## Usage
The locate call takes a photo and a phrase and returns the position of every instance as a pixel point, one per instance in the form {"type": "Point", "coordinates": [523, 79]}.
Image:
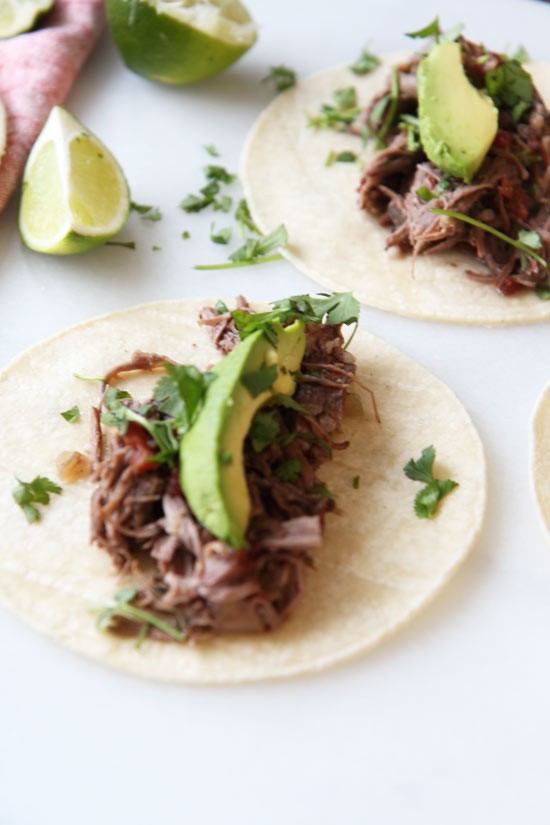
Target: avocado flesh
{"type": "Point", "coordinates": [458, 123]}
{"type": "Point", "coordinates": [212, 474]}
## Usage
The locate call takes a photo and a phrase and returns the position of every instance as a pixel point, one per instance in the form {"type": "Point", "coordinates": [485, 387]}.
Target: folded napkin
{"type": "Point", "coordinates": [37, 70]}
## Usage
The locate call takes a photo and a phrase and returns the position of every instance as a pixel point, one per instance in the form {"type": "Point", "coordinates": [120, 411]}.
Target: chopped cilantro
{"type": "Point", "coordinates": [365, 63]}
{"type": "Point", "coordinates": [341, 114]}
{"type": "Point", "coordinates": [290, 470]}
{"type": "Point", "coordinates": [72, 415]}
{"type": "Point", "coordinates": [521, 55]}
{"type": "Point", "coordinates": [212, 150]}
{"type": "Point", "coordinates": [281, 78]}
{"type": "Point", "coordinates": [29, 493]}
{"type": "Point", "coordinates": [481, 225]}
{"type": "Point", "coordinates": [219, 174]}
{"type": "Point", "coordinates": [425, 194]}
{"type": "Point", "coordinates": [323, 491]}
{"type": "Point", "coordinates": [226, 458]}
{"type": "Point", "coordinates": [185, 235]}
{"type": "Point", "coordinates": [530, 238]}
{"type": "Point", "coordinates": [428, 498]}
{"type": "Point", "coordinates": [432, 29]}
{"type": "Point", "coordinates": [195, 203]}
{"type": "Point", "coordinates": [179, 395]}
{"type": "Point", "coordinates": [337, 308]}
{"type": "Point", "coordinates": [510, 87]}
{"type": "Point", "coordinates": [125, 610]}
{"type": "Point", "coordinates": [411, 125]}
{"type": "Point", "coordinates": [220, 307]}
{"type": "Point", "coordinates": [148, 213]}
{"type": "Point", "coordinates": [222, 236]}
{"type": "Point", "coordinates": [155, 248]}
{"type": "Point", "coordinates": [340, 157]}
{"type": "Point", "coordinates": [244, 218]}
{"type": "Point", "coordinates": [264, 430]}
{"type": "Point", "coordinates": [223, 204]}
{"type": "Point", "coordinates": [355, 482]}
{"type": "Point", "coordinates": [260, 380]}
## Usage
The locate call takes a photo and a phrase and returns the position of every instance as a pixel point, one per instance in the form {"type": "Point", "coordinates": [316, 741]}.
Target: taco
{"type": "Point", "coordinates": [374, 231]}
{"type": "Point", "coordinates": [378, 562]}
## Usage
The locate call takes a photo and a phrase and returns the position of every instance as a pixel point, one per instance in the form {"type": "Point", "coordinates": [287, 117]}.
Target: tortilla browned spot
{"type": "Point", "coordinates": [379, 563]}
{"type": "Point", "coordinates": [336, 244]}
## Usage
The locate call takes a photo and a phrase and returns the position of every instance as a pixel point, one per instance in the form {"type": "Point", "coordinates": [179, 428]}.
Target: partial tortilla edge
{"type": "Point", "coordinates": [540, 456]}
{"type": "Point", "coordinates": [337, 245]}
{"type": "Point", "coordinates": [379, 564]}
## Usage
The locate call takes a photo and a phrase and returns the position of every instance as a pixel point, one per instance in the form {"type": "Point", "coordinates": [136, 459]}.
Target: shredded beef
{"type": "Point", "coordinates": [186, 576]}
{"type": "Point", "coordinates": [510, 192]}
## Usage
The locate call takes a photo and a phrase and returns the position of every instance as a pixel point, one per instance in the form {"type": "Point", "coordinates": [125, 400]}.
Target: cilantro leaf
{"type": "Point", "coordinates": [258, 247]}
{"type": "Point", "coordinates": [72, 415]}
{"type": "Point", "coordinates": [148, 213]}
{"type": "Point", "coordinates": [339, 115]}
{"type": "Point", "coordinates": [180, 393]}
{"type": "Point", "coordinates": [510, 87]}
{"type": "Point", "coordinates": [222, 236]}
{"type": "Point", "coordinates": [427, 499]}
{"type": "Point", "coordinates": [29, 493]}
{"type": "Point", "coordinates": [425, 194]}
{"type": "Point", "coordinates": [365, 63]}
{"type": "Point", "coordinates": [432, 29]}
{"type": "Point", "coordinates": [264, 430]}
{"type": "Point", "coordinates": [281, 77]}
{"type": "Point", "coordinates": [337, 308]}
{"type": "Point", "coordinates": [125, 610]}
{"type": "Point", "coordinates": [340, 157]}
{"type": "Point", "coordinates": [244, 218]}
{"type": "Point", "coordinates": [260, 380]}
{"type": "Point", "coordinates": [212, 150]}
{"type": "Point", "coordinates": [290, 470]}
{"type": "Point", "coordinates": [219, 174]}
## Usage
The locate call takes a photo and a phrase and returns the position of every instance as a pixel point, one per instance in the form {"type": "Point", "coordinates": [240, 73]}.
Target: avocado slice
{"type": "Point", "coordinates": [458, 122]}
{"type": "Point", "coordinates": [211, 452]}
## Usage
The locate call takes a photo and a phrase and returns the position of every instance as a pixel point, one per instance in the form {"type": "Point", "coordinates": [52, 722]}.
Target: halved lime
{"type": "Point", "coordinates": [180, 41]}
{"type": "Point", "coordinates": [17, 16]}
{"type": "Point", "coordinates": [75, 196]}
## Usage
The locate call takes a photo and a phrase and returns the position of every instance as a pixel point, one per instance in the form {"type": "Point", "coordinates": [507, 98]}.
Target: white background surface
{"type": "Point", "coordinates": [448, 721]}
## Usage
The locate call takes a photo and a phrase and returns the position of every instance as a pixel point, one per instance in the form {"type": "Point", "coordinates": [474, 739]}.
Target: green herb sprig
{"type": "Point", "coordinates": [281, 78]}
{"type": "Point", "coordinates": [366, 62]}
{"type": "Point", "coordinates": [519, 244]}
{"type": "Point", "coordinates": [124, 609]}
{"type": "Point", "coordinates": [427, 499]}
{"type": "Point", "coordinates": [28, 494]}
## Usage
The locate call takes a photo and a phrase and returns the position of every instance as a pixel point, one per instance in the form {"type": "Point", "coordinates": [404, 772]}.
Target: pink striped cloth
{"type": "Point", "coordinates": [37, 70]}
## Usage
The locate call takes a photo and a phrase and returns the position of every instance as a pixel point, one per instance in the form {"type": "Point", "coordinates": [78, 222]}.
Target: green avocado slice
{"type": "Point", "coordinates": [212, 473]}
{"type": "Point", "coordinates": [458, 123]}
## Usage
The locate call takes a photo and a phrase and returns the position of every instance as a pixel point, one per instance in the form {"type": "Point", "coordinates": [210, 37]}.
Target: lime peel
{"type": "Point", "coordinates": [180, 41]}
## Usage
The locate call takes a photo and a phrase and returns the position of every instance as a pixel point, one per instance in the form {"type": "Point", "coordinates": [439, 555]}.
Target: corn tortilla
{"type": "Point", "coordinates": [379, 563]}
{"type": "Point", "coordinates": [342, 247]}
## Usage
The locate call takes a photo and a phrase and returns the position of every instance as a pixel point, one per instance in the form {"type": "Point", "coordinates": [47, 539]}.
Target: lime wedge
{"type": "Point", "coordinates": [17, 16]}
{"type": "Point", "coordinates": [180, 41]}
{"type": "Point", "coordinates": [75, 196]}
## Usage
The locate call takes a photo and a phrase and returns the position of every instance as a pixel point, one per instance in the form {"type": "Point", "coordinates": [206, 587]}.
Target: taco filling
{"type": "Point", "coordinates": [167, 506]}
{"type": "Point", "coordinates": [422, 117]}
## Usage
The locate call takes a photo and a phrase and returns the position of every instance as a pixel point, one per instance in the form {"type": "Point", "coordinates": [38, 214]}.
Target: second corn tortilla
{"type": "Point", "coordinates": [342, 247]}
{"type": "Point", "coordinates": [379, 564]}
